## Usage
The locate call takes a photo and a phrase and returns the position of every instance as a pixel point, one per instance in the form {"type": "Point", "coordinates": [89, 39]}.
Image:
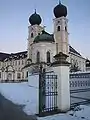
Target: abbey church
{"type": "Point", "coordinates": [42, 47]}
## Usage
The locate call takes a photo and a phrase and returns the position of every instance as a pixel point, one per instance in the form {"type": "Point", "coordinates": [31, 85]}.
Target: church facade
{"type": "Point", "coordinates": [41, 49]}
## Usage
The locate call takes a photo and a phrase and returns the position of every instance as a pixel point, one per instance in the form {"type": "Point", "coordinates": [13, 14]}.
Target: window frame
{"type": "Point", "coordinates": [38, 57]}
{"type": "Point", "coordinates": [48, 57]}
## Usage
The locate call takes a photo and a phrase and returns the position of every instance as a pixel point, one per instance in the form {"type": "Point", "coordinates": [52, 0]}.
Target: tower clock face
{"type": "Point", "coordinates": [58, 22]}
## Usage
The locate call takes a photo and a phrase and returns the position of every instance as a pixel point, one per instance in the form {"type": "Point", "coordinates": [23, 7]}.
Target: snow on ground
{"type": "Point", "coordinates": [23, 94]}
{"type": "Point", "coordinates": [57, 117]}
{"type": "Point", "coordinates": [81, 112]}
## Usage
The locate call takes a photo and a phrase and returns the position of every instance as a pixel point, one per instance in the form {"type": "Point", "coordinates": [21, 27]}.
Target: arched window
{"type": "Point", "coordinates": [48, 57]}
{"type": "Point", "coordinates": [26, 74]}
{"type": "Point", "coordinates": [22, 74]}
{"type": "Point", "coordinates": [58, 28]}
{"type": "Point", "coordinates": [65, 28]}
{"type": "Point", "coordinates": [38, 57]}
{"type": "Point", "coordinates": [22, 62]}
{"type": "Point", "coordinates": [76, 63]}
{"type": "Point", "coordinates": [18, 62]}
{"type": "Point", "coordinates": [18, 76]}
{"type": "Point", "coordinates": [31, 35]}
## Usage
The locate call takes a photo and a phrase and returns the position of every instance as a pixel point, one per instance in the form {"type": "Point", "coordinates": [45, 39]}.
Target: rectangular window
{"type": "Point", "coordinates": [38, 57]}
{"type": "Point", "coordinates": [48, 57]}
{"type": "Point", "coordinates": [22, 62]}
{"type": "Point", "coordinates": [0, 74]}
{"type": "Point", "coordinates": [18, 62]}
{"type": "Point", "coordinates": [65, 28]}
{"type": "Point", "coordinates": [18, 75]}
{"type": "Point", "coordinates": [58, 28]}
{"type": "Point", "coordinates": [22, 74]}
{"type": "Point", "coordinates": [31, 35]}
{"type": "Point", "coordinates": [12, 62]}
{"type": "Point", "coordinates": [26, 74]}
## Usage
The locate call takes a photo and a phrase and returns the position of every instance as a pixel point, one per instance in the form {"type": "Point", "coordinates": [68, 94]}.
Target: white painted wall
{"type": "Point", "coordinates": [63, 99]}
{"type": "Point", "coordinates": [43, 48]}
{"type": "Point", "coordinates": [77, 78]}
{"type": "Point", "coordinates": [61, 37]}
{"type": "Point", "coordinates": [79, 82]}
{"type": "Point", "coordinates": [35, 29]}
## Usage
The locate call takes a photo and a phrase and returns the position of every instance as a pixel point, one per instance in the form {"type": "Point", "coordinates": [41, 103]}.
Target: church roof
{"type": "Point", "coordinates": [74, 51]}
{"type": "Point", "coordinates": [44, 37]}
{"type": "Point", "coordinates": [3, 56]}
{"type": "Point", "coordinates": [15, 56]}
{"type": "Point", "coordinates": [21, 55]}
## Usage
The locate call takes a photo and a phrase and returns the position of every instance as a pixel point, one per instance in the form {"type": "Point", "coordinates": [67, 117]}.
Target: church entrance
{"type": "Point", "coordinates": [9, 76]}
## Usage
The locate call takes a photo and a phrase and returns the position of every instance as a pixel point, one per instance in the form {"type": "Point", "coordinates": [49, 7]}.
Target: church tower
{"type": "Point", "coordinates": [60, 29]}
{"type": "Point", "coordinates": [34, 29]}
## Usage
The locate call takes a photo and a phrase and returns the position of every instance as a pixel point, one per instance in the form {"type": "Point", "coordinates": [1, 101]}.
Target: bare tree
{"type": "Point", "coordinates": [74, 67]}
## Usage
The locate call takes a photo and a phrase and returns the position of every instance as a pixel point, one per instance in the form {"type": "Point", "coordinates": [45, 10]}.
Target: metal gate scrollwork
{"type": "Point", "coordinates": [47, 93]}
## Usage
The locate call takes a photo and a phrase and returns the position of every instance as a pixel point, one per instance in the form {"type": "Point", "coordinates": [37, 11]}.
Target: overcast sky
{"type": "Point", "coordinates": [14, 16]}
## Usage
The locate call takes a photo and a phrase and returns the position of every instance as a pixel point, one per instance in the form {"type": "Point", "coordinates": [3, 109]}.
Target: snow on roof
{"type": "Point", "coordinates": [23, 54]}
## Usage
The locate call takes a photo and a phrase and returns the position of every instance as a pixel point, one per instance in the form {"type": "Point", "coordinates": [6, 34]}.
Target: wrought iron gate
{"type": "Point", "coordinates": [47, 93]}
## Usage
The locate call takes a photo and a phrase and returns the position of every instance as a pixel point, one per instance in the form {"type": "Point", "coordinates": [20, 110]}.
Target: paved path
{"type": "Point", "coordinates": [10, 111]}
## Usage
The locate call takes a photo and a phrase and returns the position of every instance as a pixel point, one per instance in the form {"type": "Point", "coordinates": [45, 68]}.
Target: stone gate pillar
{"type": "Point", "coordinates": [61, 68]}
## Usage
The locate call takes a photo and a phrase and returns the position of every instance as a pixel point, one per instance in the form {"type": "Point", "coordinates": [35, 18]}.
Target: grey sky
{"type": "Point", "coordinates": [14, 16]}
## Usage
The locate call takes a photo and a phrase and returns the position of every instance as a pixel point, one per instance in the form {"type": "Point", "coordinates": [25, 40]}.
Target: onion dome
{"type": "Point", "coordinates": [44, 37]}
{"type": "Point", "coordinates": [35, 19]}
{"type": "Point", "coordinates": [60, 10]}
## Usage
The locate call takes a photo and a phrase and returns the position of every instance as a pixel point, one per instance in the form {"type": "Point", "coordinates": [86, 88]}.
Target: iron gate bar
{"type": "Point", "coordinates": [47, 92]}
{"type": "Point", "coordinates": [80, 98]}
{"type": "Point", "coordinates": [80, 90]}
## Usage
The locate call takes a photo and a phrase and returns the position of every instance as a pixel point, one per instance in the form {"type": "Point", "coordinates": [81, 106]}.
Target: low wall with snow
{"type": "Point", "coordinates": [21, 94]}
{"type": "Point", "coordinates": [79, 81]}
{"type": "Point", "coordinates": [80, 87]}
{"type": "Point", "coordinates": [33, 81]}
